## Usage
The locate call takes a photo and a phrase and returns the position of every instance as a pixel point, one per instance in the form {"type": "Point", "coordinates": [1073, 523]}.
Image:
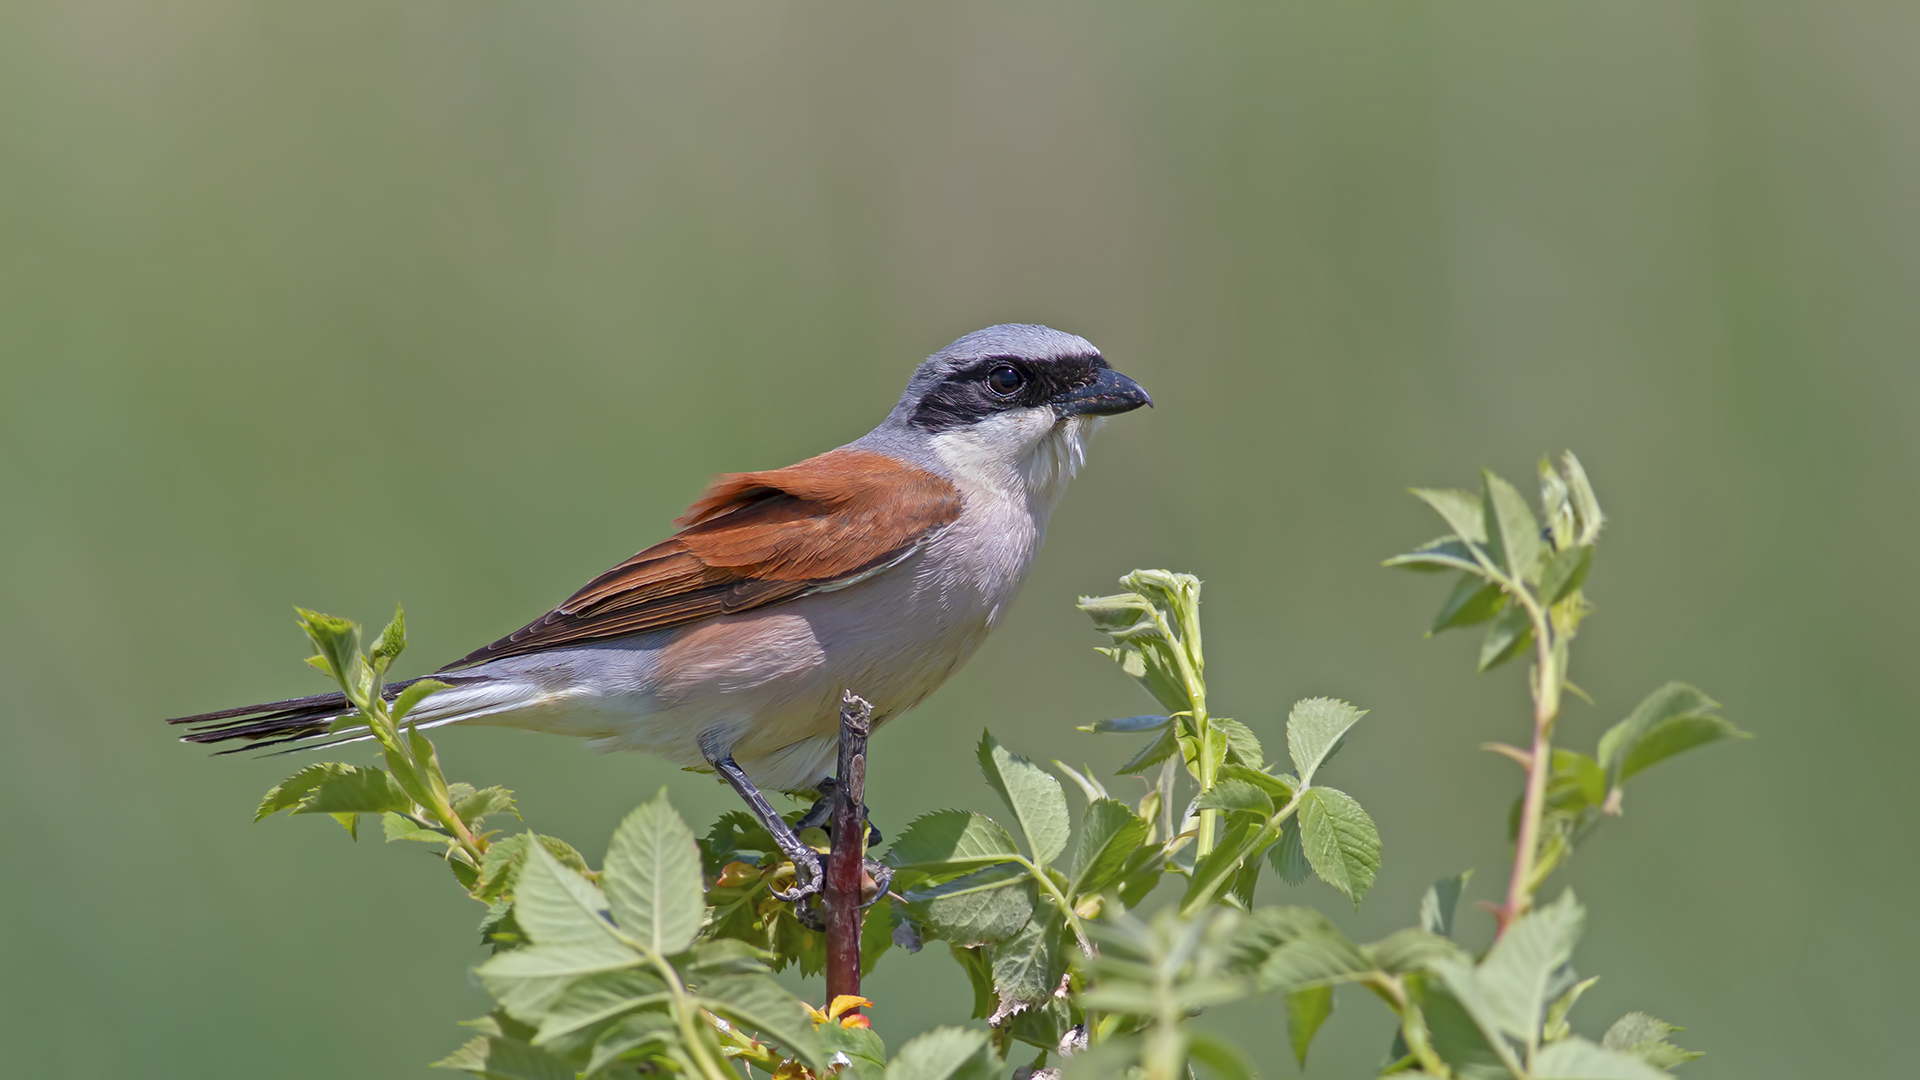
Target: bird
{"type": "Point", "coordinates": [877, 569]}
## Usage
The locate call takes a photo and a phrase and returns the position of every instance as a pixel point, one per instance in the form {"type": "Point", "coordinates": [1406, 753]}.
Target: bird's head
{"type": "Point", "coordinates": [1012, 404]}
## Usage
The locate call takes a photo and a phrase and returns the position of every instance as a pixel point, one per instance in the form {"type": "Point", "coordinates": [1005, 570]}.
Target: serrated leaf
{"type": "Point", "coordinates": [1241, 741]}
{"type": "Point", "coordinates": [1315, 728]}
{"type": "Point", "coordinates": [1565, 573]}
{"type": "Point", "coordinates": [392, 642]}
{"type": "Point", "coordinates": [289, 792]}
{"type": "Point", "coordinates": [1028, 966]}
{"type": "Point", "coordinates": [1236, 795]}
{"type": "Point", "coordinates": [1578, 1059]}
{"type": "Point", "coordinates": [1289, 859]}
{"type": "Point", "coordinates": [1340, 841]}
{"type": "Point", "coordinates": [758, 1003]}
{"type": "Point", "coordinates": [945, 1053]}
{"type": "Point", "coordinates": [981, 908]}
{"type": "Point", "coordinates": [1513, 533]}
{"type": "Point", "coordinates": [1526, 969]}
{"type": "Point", "coordinates": [951, 840]}
{"type": "Point", "coordinates": [1409, 950]}
{"type": "Point", "coordinates": [1442, 899]}
{"type": "Point", "coordinates": [1280, 789]}
{"type": "Point", "coordinates": [1645, 1037]}
{"type": "Point", "coordinates": [1459, 508]}
{"type": "Point", "coordinates": [1155, 752]}
{"type": "Point", "coordinates": [484, 803]}
{"type": "Point", "coordinates": [337, 641]}
{"type": "Point", "coordinates": [395, 827]}
{"type": "Point", "coordinates": [864, 1051]}
{"type": "Point", "coordinates": [1324, 957]}
{"type": "Point", "coordinates": [1458, 1038]}
{"type": "Point", "coordinates": [595, 999]}
{"type": "Point", "coordinates": [632, 1033]}
{"type": "Point", "coordinates": [1031, 792]}
{"type": "Point", "coordinates": [556, 906]}
{"type": "Point", "coordinates": [1508, 637]}
{"type": "Point", "coordinates": [1109, 835]}
{"type": "Point", "coordinates": [1142, 873]}
{"type": "Point", "coordinates": [1218, 869]}
{"type": "Point", "coordinates": [527, 981]}
{"type": "Point", "coordinates": [1306, 1011]}
{"type": "Point", "coordinates": [652, 878]}
{"type": "Point", "coordinates": [1471, 603]}
{"type": "Point", "coordinates": [355, 791]}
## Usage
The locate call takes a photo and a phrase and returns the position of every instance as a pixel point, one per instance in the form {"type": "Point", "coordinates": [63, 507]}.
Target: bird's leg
{"type": "Point", "coordinates": [820, 816]}
{"type": "Point", "coordinates": [807, 875]}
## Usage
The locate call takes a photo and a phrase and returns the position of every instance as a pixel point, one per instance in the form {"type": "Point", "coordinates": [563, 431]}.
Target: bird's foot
{"type": "Point", "coordinates": [820, 814]}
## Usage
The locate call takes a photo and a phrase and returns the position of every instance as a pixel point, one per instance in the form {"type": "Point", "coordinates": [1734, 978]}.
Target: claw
{"type": "Point", "coordinates": [804, 884]}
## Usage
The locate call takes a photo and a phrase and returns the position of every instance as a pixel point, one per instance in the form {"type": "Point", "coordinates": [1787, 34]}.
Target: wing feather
{"type": "Point", "coordinates": [750, 540]}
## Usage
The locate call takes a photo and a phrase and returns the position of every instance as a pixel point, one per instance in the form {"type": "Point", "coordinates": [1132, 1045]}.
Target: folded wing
{"type": "Point", "coordinates": [751, 540]}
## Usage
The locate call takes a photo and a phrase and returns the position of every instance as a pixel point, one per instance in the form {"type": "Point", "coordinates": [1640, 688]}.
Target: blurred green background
{"type": "Point", "coordinates": [460, 302]}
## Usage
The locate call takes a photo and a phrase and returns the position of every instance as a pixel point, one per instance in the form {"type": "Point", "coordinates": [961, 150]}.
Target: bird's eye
{"type": "Point", "coordinates": [1005, 380]}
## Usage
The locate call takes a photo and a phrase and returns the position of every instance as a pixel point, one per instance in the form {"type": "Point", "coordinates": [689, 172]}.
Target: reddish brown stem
{"type": "Point", "coordinates": [846, 862]}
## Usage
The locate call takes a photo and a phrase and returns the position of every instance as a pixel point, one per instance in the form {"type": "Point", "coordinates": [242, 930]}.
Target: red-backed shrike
{"type": "Point", "coordinates": [877, 568]}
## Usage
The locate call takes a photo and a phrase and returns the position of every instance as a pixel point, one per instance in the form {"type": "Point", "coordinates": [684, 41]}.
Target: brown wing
{"type": "Point", "coordinates": [753, 539]}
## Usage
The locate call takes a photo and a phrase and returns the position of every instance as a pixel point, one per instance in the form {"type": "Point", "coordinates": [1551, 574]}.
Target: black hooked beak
{"type": "Point", "coordinates": [1107, 395]}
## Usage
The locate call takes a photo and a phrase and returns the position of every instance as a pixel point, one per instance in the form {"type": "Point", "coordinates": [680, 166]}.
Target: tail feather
{"type": "Point", "coordinates": [274, 722]}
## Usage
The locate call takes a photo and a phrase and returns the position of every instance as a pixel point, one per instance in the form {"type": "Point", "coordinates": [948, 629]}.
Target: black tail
{"type": "Point", "coordinates": [275, 722]}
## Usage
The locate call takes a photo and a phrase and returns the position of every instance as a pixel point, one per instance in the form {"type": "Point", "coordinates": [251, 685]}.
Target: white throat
{"type": "Point", "coordinates": [1028, 454]}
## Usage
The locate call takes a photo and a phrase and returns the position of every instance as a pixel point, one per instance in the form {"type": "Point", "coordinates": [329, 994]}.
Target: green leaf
{"type": "Point", "coordinates": [1586, 508]}
{"type": "Point", "coordinates": [1669, 702]}
{"type": "Point", "coordinates": [1109, 834]}
{"type": "Point", "coordinates": [393, 641]}
{"type": "Point", "coordinates": [1218, 869]}
{"type": "Point", "coordinates": [595, 999]}
{"type": "Point", "coordinates": [1142, 873]}
{"type": "Point", "coordinates": [1471, 603]}
{"type": "Point", "coordinates": [1340, 841]}
{"type": "Point", "coordinates": [336, 640]}
{"type": "Point", "coordinates": [506, 1059]}
{"type": "Point", "coordinates": [1032, 793]}
{"type": "Point", "coordinates": [1434, 556]}
{"type": "Point", "coordinates": [1645, 1037]}
{"type": "Point", "coordinates": [1241, 741]}
{"type": "Point", "coordinates": [1315, 728]}
{"type": "Point", "coordinates": [951, 840]}
{"type": "Point", "coordinates": [1227, 1061]}
{"type": "Point", "coordinates": [356, 791]}
{"type": "Point", "coordinates": [1524, 971]}
{"type": "Point", "coordinates": [1410, 949]}
{"type": "Point", "coordinates": [291, 791]}
{"type": "Point", "coordinates": [632, 1033]}
{"type": "Point", "coordinates": [485, 802]}
{"type": "Point", "coordinates": [1280, 789]}
{"type": "Point", "coordinates": [1321, 957]}
{"type": "Point", "coordinates": [395, 827]}
{"type": "Point", "coordinates": [1235, 795]}
{"type": "Point", "coordinates": [1677, 735]}
{"type": "Point", "coordinates": [1306, 1011]}
{"type": "Point", "coordinates": [945, 1053]}
{"type": "Point", "coordinates": [1442, 899]}
{"type": "Point", "coordinates": [1556, 1027]}
{"type": "Point", "coordinates": [981, 908]}
{"type": "Point", "coordinates": [1155, 752]}
{"type": "Point", "coordinates": [758, 1003]}
{"type": "Point", "coordinates": [1289, 859]}
{"type": "Point", "coordinates": [861, 1046]}
{"type": "Point", "coordinates": [652, 878]}
{"type": "Point", "coordinates": [1508, 637]}
{"type": "Point", "coordinates": [527, 981]}
{"type": "Point", "coordinates": [1027, 967]}
{"type": "Point", "coordinates": [556, 906]}
{"type": "Point", "coordinates": [1461, 1040]}
{"type": "Point", "coordinates": [973, 962]}
{"type": "Point", "coordinates": [1567, 572]}
{"type": "Point", "coordinates": [1461, 509]}
{"type": "Point", "coordinates": [1512, 531]}
{"type": "Point", "coordinates": [1578, 1059]}
{"type": "Point", "coordinates": [412, 696]}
